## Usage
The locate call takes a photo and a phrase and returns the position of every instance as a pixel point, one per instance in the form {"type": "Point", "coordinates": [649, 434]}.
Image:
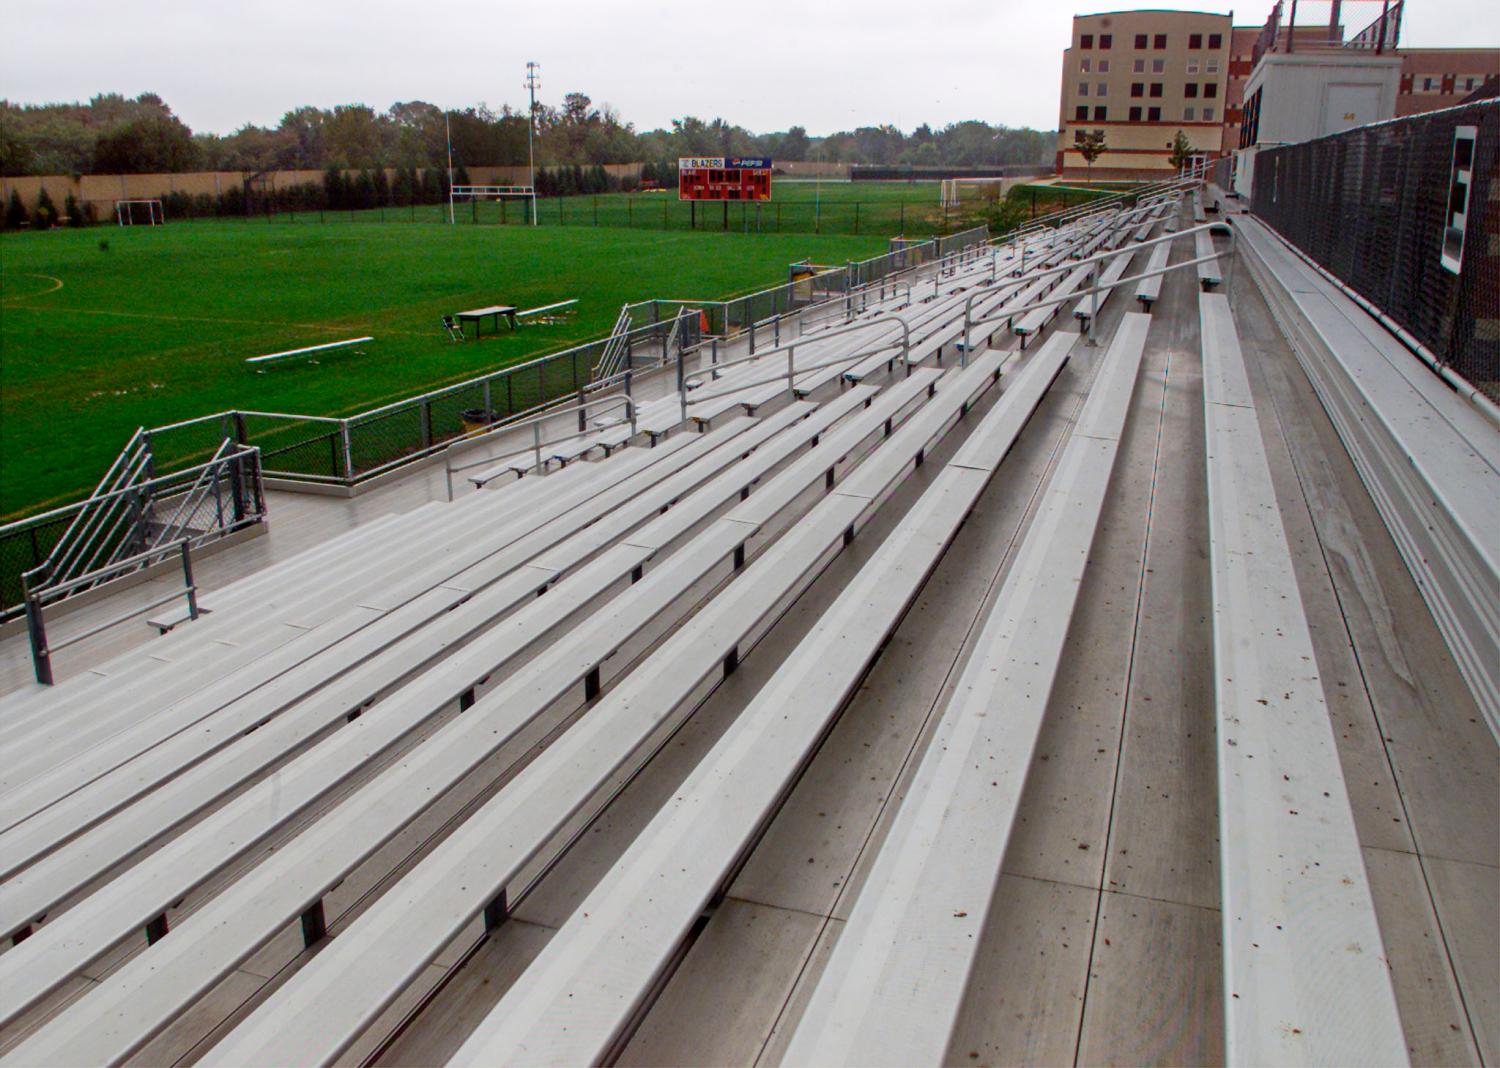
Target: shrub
{"type": "Point", "coordinates": [46, 211]}
{"type": "Point", "coordinates": [74, 211]}
{"type": "Point", "coordinates": [15, 212]}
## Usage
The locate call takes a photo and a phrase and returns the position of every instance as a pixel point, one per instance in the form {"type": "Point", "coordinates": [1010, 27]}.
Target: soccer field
{"type": "Point", "coordinates": [156, 328]}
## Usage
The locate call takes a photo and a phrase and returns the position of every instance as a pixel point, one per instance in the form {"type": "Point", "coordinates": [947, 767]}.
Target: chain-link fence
{"type": "Point", "coordinates": [1379, 208]}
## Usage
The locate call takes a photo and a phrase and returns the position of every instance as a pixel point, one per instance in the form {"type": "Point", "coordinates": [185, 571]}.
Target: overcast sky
{"type": "Point", "coordinates": [827, 66]}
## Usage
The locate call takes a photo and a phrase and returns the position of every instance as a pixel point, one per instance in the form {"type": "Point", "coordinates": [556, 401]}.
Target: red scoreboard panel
{"type": "Point", "coordinates": [720, 178]}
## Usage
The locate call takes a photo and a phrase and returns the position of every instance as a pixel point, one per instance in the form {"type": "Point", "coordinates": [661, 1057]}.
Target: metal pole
{"type": "Point", "coordinates": [536, 443]}
{"type": "Point", "coordinates": [448, 125]}
{"type": "Point", "coordinates": [791, 372]}
{"type": "Point", "coordinates": [41, 657]}
{"type": "Point", "coordinates": [187, 578]}
{"type": "Point", "coordinates": [531, 85]}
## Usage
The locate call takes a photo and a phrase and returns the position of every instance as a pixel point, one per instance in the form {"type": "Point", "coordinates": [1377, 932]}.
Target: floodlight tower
{"type": "Point", "coordinates": [532, 82]}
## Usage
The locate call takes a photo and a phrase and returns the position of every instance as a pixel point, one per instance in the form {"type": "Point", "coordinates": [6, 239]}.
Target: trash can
{"type": "Point", "coordinates": [475, 419]}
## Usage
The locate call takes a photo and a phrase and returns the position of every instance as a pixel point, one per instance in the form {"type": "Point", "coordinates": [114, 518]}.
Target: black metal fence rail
{"type": "Point", "coordinates": [1372, 207]}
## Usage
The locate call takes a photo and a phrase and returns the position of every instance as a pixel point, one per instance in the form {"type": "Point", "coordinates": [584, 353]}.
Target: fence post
{"type": "Point", "coordinates": [348, 441]}
{"type": "Point", "coordinates": [583, 419]}
{"type": "Point", "coordinates": [791, 372]}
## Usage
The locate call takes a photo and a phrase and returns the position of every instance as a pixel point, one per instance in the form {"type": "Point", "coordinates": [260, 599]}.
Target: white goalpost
{"type": "Point", "coordinates": [490, 192]}
{"type": "Point", "coordinates": [125, 212]}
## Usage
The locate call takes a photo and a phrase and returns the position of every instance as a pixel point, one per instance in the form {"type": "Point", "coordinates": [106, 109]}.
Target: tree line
{"type": "Point", "coordinates": [112, 134]}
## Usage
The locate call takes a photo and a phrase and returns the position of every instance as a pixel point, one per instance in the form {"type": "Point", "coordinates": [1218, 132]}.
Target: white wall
{"type": "Point", "coordinates": [1313, 94]}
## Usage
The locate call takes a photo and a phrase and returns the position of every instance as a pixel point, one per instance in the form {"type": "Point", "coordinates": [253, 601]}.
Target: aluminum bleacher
{"type": "Point", "coordinates": [931, 655]}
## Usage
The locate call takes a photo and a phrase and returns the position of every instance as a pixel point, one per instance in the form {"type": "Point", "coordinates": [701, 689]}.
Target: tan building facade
{"type": "Point", "coordinates": [1196, 65]}
{"type": "Point", "coordinates": [1433, 78]}
{"type": "Point", "coordinates": [1140, 77]}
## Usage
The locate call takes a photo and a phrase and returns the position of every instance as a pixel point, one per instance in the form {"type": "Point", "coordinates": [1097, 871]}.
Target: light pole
{"type": "Point", "coordinates": [532, 67]}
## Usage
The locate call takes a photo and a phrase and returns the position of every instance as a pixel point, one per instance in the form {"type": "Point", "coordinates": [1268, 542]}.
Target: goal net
{"type": "Point", "coordinates": [476, 193]}
{"type": "Point", "coordinates": [140, 212]}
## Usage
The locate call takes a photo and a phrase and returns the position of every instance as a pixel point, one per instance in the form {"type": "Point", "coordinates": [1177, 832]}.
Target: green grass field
{"type": "Point", "coordinates": [157, 328]}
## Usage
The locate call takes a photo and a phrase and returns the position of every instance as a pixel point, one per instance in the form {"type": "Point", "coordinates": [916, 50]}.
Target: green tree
{"type": "Point", "coordinates": [46, 211]}
{"type": "Point", "coordinates": [1182, 152]}
{"type": "Point", "coordinates": [1091, 146]}
{"type": "Point", "coordinates": [15, 212]}
{"type": "Point", "coordinates": [74, 211]}
{"type": "Point", "coordinates": [151, 145]}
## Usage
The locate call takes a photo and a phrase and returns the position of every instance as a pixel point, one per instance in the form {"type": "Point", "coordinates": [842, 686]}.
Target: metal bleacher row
{"type": "Point", "coordinates": [353, 765]}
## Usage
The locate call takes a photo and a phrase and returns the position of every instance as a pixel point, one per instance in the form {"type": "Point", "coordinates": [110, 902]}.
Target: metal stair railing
{"type": "Point", "coordinates": [615, 347]}
{"type": "Point", "coordinates": [117, 532]}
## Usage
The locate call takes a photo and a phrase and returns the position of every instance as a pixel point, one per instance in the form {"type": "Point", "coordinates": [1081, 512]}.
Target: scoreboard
{"type": "Point", "coordinates": [723, 178]}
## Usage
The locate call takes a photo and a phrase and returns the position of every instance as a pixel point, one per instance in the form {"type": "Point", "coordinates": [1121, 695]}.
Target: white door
{"type": "Point", "coordinates": [1347, 106]}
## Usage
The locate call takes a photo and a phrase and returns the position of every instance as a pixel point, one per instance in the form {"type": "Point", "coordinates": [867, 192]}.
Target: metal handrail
{"type": "Point", "coordinates": [709, 393]}
{"type": "Point", "coordinates": [109, 510]}
{"type": "Point", "coordinates": [1013, 313]}
{"type": "Point", "coordinates": [42, 650]}
{"type": "Point", "coordinates": [535, 422]}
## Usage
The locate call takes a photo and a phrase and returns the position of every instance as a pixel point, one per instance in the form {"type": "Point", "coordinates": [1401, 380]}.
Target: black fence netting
{"type": "Point", "coordinates": [1376, 207]}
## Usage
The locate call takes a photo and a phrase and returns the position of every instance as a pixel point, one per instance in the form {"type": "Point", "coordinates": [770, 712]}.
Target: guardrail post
{"type": "Point", "coordinates": [36, 630]}
{"type": "Point", "coordinates": [536, 443]}
{"type": "Point", "coordinates": [682, 385]}
{"type": "Point", "coordinates": [349, 447]}
{"type": "Point", "coordinates": [791, 372]}
{"type": "Point", "coordinates": [187, 578]}
{"type": "Point", "coordinates": [583, 419]}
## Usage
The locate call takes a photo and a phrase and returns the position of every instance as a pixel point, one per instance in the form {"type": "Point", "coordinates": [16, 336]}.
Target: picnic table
{"type": "Point", "coordinates": [493, 313]}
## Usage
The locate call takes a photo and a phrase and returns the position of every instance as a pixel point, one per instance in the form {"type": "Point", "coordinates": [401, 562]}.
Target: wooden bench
{"type": "Point", "coordinates": [626, 943]}
{"type": "Point", "coordinates": [1296, 898]}
{"type": "Point", "coordinates": [893, 987]}
{"type": "Point", "coordinates": [456, 883]}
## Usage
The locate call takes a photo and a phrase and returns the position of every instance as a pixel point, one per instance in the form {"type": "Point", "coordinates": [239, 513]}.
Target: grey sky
{"type": "Point", "coordinates": [828, 66]}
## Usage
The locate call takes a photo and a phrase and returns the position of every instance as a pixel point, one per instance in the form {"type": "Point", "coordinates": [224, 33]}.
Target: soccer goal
{"type": "Point", "coordinates": [140, 212]}
{"type": "Point", "coordinates": [474, 193]}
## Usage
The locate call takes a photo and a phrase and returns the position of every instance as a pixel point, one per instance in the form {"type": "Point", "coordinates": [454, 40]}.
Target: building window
{"type": "Point", "coordinates": [1101, 114]}
{"type": "Point", "coordinates": [1081, 113]}
{"type": "Point", "coordinates": [1215, 40]}
{"type": "Point", "coordinates": [1187, 114]}
{"type": "Point", "coordinates": [1104, 66]}
{"type": "Point", "coordinates": [1468, 84]}
{"type": "Point", "coordinates": [1140, 40]}
{"type": "Point", "coordinates": [1083, 65]}
{"type": "Point", "coordinates": [1155, 90]}
{"type": "Point", "coordinates": [1426, 85]}
{"type": "Point", "coordinates": [1106, 40]}
{"type": "Point", "coordinates": [1078, 136]}
{"type": "Point", "coordinates": [1139, 66]}
{"type": "Point", "coordinates": [1208, 114]}
{"type": "Point", "coordinates": [1135, 114]}
{"type": "Point", "coordinates": [1190, 90]}
{"type": "Point", "coordinates": [1158, 66]}
{"type": "Point", "coordinates": [1083, 88]}
{"type": "Point", "coordinates": [1102, 89]}
{"type": "Point", "coordinates": [1086, 41]}
{"type": "Point", "coordinates": [1211, 67]}
{"type": "Point", "coordinates": [1153, 115]}
{"type": "Point", "coordinates": [1137, 89]}
{"type": "Point", "coordinates": [1192, 66]}
{"type": "Point", "coordinates": [1159, 42]}
{"type": "Point", "coordinates": [1195, 41]}
{"type": "Point", "coordinates": [1210, 89]}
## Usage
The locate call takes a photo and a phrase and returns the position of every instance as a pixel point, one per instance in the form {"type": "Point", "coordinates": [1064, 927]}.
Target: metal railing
{"type": "Point", "coordinates": [133, 526]}
{"type": "Point", "coordinates": [625, 401]}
